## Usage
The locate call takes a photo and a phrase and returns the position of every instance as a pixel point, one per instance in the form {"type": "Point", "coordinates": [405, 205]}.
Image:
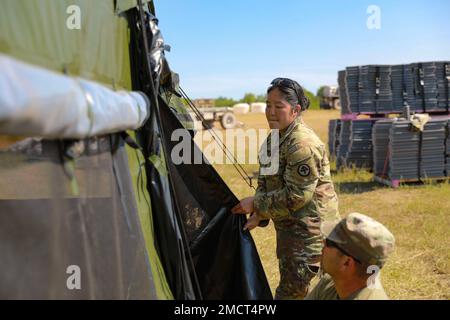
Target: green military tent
{"type": "Point", "coordinates": [91, 207]}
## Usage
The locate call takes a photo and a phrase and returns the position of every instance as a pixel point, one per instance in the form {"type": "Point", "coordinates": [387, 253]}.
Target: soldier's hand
{"type": "Point", "coordinates": [244, 207]}
{"type": "Point", "coordinates": [252, 222]}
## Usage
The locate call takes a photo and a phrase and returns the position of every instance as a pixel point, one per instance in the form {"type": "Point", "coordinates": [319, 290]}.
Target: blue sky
{"type": "Point", "coordinates": [230, 47]}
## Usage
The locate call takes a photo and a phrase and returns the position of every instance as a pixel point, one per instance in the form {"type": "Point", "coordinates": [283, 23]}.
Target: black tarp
{"type": "Point", "coordinates": [204, 252]}
{"type": "Point", "coordinates": [225, 259]}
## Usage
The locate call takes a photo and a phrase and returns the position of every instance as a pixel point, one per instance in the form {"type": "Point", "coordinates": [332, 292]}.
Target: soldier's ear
{"type": "Point", "coordinates": [348, 262]}
{"type": "Point", "coordinates": [297, 109]}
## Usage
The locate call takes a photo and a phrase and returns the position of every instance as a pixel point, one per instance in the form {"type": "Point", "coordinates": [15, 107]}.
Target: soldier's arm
{"type": "Point", "coordinates": [299, 183]}
{"type": "Point", "coordinates": [260, 190]}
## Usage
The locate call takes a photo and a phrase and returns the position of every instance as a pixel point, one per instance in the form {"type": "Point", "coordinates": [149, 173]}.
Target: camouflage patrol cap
{"type": "Point", "coordinates": [362, 237]}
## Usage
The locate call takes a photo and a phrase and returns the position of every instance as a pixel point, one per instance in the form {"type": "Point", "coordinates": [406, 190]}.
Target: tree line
{"type": "Point", "coordinates": [251, 98]}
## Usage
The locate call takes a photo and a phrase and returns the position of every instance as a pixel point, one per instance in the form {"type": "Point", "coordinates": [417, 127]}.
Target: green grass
{"type": "Point", "coordinates": [418, 216]}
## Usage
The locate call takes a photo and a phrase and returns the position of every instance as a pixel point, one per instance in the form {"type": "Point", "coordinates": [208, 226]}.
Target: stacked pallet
{"type": "Point", "coordinates": [352, 89]}
{"type": "Point", "coordinates": [433, 149]}
{"type": "Point", "coordinates": [413, 87]}
{"type": "Point", "coordinates": [343, 98]}
{"type": "Point", "coordinates": [384, 100]}
{"type": "Point", "coordinates": [398, 88]}
{"type": "Point", "coordinates": [359, 153]}
{"type": "Point", "coordinates": [436, 76]}
{"type": "Point", "coordinates": [344, 142]}
{"type": "Point", "coordinates": [337, 135]}
{"type": "Point", "coordinates": [447, 150]}
{"type": "Point", "coordinates": [333, 137]}
{"type": "Point", "coordinates": [380, 141]}
{"type": "Point", "coordinates": [367, 88]}
{"type": "Point", "coordinates": [383, 89]}
{"type": "Point", "coordinates": [402, 152]}
{"type": "Point", "coordinates": [353, 145]}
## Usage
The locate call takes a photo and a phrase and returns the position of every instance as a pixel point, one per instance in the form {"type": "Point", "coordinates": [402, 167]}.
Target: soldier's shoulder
{"type": "Point", "coordinates": [377, 293]}
{"type": "Point", "coordinates": [304, 137]}
{"type": "Point", "coordinates": [305, 134]}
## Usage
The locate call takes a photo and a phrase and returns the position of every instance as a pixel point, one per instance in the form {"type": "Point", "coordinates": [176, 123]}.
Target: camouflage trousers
{"type": "Point", "coordinates": [299, 249]}
{"type": "Point", "coordinates": [295, 279]}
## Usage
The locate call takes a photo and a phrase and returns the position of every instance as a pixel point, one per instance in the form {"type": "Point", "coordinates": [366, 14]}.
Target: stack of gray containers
{"type": "Point", "coordinates": [410, 154]}
{"type": "Point", "coordinates": [343, 98]}
{"type": "Point", "coordinates": [367, 88]}
{"type": "Point", "coordinates": [354, 143]}
{"type": "Point", "coordinates": [334, 128]}
{"type": "Point", "coordinates": [380, 141]}
{"type": "Point", "coordinates": [398, 88]}
{"type": "Point", "coordinates": [413, 87]}
{"type": "Point", "coordinates": [352, 83]}
{"type": "Point", "coordinates": [433, 149]}
{"type": "Point", "coordinates": [436, 85]}
{"type": "Point", "coordinates": [382, 89]}
{"type": "Point", "coordinates": [403, 151]}
{"type": "Point", "coordinates": [375, 93]}
{"type": "Point", "coordinates": [344, 142]}
{"type": "Point", "coordinates": [447, 147]}
{"type": "Point", "coordinates": [359, 153]}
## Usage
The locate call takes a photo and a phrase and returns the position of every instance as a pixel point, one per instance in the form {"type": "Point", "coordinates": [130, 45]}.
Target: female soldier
{"type": "Point", "coordinates": [299, 196]}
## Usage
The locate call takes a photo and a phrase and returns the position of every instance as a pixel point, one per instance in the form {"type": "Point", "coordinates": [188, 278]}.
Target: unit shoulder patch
{"type": "Point", "coordinates": [304, 170]}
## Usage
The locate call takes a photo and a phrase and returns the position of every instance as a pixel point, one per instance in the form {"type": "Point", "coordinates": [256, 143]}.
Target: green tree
{"type": "Point", "coordinates": [249, 98]}
{"type": "Point", "coordinates": [224, 102]}
{"type": "Point", "coordinates": [314, 100]}
{"type": "Point", "coordinates": [320, 91]}
{"type": "Point", "coordinates": [261, 98]}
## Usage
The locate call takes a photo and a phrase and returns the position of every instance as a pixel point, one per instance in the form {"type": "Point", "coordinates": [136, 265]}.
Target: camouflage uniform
{"type": "Point", "coordinates": [297, 198]}
{"type": "Point", "coordinates": [325, 290]}
{"type": "Point", "coordinates": [366, 240]}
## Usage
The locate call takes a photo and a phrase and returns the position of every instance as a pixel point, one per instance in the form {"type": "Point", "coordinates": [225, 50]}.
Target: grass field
{"type": "Point", "coordinates": [418, 216]}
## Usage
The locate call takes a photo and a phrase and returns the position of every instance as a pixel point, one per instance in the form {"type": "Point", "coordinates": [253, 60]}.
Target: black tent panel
{"type": "Point", "coordinates": [225, 259]}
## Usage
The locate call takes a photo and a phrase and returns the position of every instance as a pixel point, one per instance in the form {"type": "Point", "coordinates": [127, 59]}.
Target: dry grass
{"type": "Point", "coordinates": [419, 217]}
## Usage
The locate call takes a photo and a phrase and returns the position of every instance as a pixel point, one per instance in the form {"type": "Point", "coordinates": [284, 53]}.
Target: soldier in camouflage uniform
{"type": "Point", "coordinates": [299, 197]}
{"type": "Point", "coordinates": [356, 249]}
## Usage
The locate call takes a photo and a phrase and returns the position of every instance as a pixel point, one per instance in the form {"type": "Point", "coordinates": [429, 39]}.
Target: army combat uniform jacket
{"type": "Point", "coordinates": [297, 198]}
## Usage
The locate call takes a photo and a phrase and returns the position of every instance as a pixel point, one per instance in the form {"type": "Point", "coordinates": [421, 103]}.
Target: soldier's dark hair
{"type": "Point", "coordinates": [292, 92]}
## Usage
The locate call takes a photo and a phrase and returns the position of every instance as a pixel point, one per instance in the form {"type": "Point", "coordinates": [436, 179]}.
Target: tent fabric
{"type": "Point", "coordinates": [203, 250]}
{"type": "Point", "coordinates": [168, 231]}
{"type": "Point", "coordinates": [48, 225]}
{"type": "Point", "coordinates": [136, 227]}
{"type": "Point", "coordinates": [37, 32]}
{"type": "Point", "coordinates": [136, 164]}
{"type": "Point", "coordinates": [225, 259]}
{"type": "Point", "coordinates": [124, 5]}
{"type": "Point", "coordinates": [38, 102]}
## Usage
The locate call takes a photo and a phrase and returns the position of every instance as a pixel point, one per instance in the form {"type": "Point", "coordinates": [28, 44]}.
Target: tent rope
{"type": "Point", "coordinates": [239, 168]}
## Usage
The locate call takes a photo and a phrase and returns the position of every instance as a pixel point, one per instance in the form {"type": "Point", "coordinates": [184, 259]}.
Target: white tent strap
{"type": "Point", "coordinates": [38, 102]}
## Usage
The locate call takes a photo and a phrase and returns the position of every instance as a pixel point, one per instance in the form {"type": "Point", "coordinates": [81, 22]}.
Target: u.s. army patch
{"type": "Point", "coordinates": [304, 170]}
